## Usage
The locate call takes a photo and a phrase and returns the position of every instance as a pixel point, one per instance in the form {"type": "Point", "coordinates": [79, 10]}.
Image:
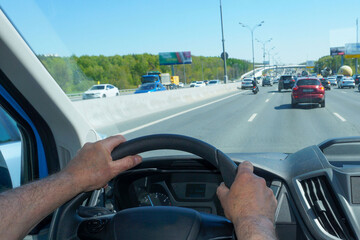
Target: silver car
{"type": "Point", "coordinates": [332, 81]}
{"type": "Point", "coordinates": [346, 82]}
{"type": "Point", "coordinates": [247, 83]}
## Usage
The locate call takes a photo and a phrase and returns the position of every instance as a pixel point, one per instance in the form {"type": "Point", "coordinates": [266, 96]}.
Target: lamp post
{"type": "Point", "coordinates": [252, 40]}
{"type": "Point", "coordinates": [269, 53]}
{"type": "Point", "coordinates": [223, 45]}
{"type": "Point", "coordinates": [357, 42]}
{"type": "Point", "coordinates": [264, 49]}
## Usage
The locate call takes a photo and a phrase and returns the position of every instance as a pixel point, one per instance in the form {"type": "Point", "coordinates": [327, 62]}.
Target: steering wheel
{"type": "Point", "coordinates": [150, 222]}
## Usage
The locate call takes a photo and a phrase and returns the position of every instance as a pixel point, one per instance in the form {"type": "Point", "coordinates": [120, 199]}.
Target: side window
{"type": "Point", "coordinates": [10, 151]}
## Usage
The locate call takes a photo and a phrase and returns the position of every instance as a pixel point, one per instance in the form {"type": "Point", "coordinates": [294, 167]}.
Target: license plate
{"type": "Point", "coordinates": [308, 90]}
{"type": "Point", "coordinates": [286, 81]}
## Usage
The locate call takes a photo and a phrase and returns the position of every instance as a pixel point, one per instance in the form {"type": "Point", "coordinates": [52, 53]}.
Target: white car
{"type": "Point", "coordinates": [214, 82]}
{"type": "Point", "coordinates": [247, 83]}
{"type": "Point", "coordinates": [346, 82]}
{"type": "Point", "coordinates": [197, 84]}
{"type": "Point", "coordinates": [332, 81]}
{"type": "Point", "coordinates": [181, 84]}
{"type": "Point", "coordinates": [101, 91]}
{"type": "Point", "coordinates": [200, 84]}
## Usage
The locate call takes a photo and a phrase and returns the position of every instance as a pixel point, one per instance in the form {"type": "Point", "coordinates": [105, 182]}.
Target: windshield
{"type": "Point", "coordinates": [97, 87]}
{"type": "Point", "coordinates": [149, 79]}
{"type": "Point", "coordinates": [86, 43]}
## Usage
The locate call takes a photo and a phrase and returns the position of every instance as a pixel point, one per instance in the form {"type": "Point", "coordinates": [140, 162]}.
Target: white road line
{"type": "Point", "coordinates": [252, 117]}
{"type": "Point", "coordinates": [273, 93]}
{"type": "Point", "coordinates": [344, 92]}
{"type": "Point", "coordinates": [340, 117]}
{"type": "Point", "coordinates": [267, 100]}
{"type": "Point", "coordinates": [177, 114]}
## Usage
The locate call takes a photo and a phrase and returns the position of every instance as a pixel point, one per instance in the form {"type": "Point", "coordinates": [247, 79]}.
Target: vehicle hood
{"type": "Point", "coordinates": [144, 91]}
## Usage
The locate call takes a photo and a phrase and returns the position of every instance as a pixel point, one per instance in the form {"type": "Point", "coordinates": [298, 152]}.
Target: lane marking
{"type": "Point", "coordinates": [252, 117]}
{"type": "Point", "coordinates": [344, 92]}
{"type": "Point", "coordinates": [267, 100]}
{"type": "Point", "coordinates": [340, 117]}
{"type": "Point", "coordinates": [273, 93]}
{"type": "Point", "coordinates": [177, 114]}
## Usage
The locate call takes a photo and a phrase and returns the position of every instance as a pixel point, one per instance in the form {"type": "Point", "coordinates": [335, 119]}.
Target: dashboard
{"type": "Point", "coordinates": [164, 186]}
{"type": "Point", "coordinates": [317, 188]}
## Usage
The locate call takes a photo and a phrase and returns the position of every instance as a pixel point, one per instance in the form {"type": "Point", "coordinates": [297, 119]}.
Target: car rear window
{"type": "Point", "coordinates": [285, 78]}
{"type": "Point", "coordinates": [308, 82]}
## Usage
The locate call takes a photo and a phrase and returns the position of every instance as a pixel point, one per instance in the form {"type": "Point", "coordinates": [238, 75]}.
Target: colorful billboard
{"type": "Point", "coordinates": [310, 64]}
{"type": "Point", "coordinates": [337, 51]}
{"type": "Point", "coordinates": [352, 50]}
{"type": "Point", "coordinates": [172, 58]}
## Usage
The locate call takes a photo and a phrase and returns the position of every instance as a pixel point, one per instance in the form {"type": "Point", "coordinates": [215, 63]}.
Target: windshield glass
{"type": "Point", "coordinates": [97, 87]}
{"type": "Point", "coordinates": [86, 43]}
{"type": "Point", "coordinates": [149, 79]}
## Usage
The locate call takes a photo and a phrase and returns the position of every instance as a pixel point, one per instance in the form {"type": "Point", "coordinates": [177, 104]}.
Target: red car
{"type": "Point", "coordinates": [308, 90]}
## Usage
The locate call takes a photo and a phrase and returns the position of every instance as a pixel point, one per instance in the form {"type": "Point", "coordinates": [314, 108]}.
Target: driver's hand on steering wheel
{"type": "Point", "coordinates": [249, 204]}
{"type": "Point", "coordinates": [93, 166]}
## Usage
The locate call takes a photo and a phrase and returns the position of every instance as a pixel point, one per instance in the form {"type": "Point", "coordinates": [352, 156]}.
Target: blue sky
{"type": "Point", "coordinates": [301, 30]}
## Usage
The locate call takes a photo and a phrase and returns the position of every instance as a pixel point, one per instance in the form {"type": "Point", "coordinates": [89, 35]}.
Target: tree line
{"type": "Point", "coordinates": [334, 63]}
{"type": "Point", "coordinates": [77, 74]}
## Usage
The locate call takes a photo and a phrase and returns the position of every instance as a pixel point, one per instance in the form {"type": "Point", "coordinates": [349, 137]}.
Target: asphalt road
{"type": "Point", "coordinates": [244, 122]}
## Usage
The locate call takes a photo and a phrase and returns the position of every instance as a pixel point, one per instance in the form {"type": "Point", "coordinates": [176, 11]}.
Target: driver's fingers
{"type": "Point", "coordinates": [222, 191]}
{"type": "Point", "coordinates": [111, 142]}
{"type": "Point", "coordinates": [245, 167]}
{"type": "Point", "coordinates": [124, 164]}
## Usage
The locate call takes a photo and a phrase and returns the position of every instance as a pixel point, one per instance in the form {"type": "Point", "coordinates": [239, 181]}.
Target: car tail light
{"type": "Point", "coordinates": [343, 82]}
{"type": "Point", "coordinates": [328, 82]}
{"type": "Point", "coordinates": [321, 88]}
{"type": "Point", "coordinates": [293, 80]}
{"type": "Point", "coordinates": [296, 88]}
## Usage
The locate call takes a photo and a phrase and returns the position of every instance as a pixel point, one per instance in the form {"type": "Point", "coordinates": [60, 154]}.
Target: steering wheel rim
{"type": "Point", "coordinates": [135, 146]}
{"type": "Point", "coordinates": [197, 147]}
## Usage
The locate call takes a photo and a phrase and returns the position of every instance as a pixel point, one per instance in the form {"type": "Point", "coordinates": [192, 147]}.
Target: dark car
{"type": "Point", "coordinates": [286, 82]}
{"type": "Point", "coordinates": [308, 90]}
{"type": "Point", "coordinates": [266, 81]}
{"type": "Point", "coordinates": [326, 83]}
{"type": "Point", "coordinates": [356, 78]}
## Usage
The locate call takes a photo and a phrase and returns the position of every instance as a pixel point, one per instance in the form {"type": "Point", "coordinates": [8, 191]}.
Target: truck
{"type": "Point", "coordinates": [163, 78]}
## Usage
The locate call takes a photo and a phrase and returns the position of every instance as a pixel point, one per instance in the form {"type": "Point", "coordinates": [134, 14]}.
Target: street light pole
{"type": "Point", "coordinates": [252, 40]}
{"type": "Point", "coordinates": [264, 49]}
{"type": "Point", "coordinates": [223, 45]}
{"type": "Point", "coordinates": [269, 53]}
{"type": "Point", "coordinates": [357, 42]}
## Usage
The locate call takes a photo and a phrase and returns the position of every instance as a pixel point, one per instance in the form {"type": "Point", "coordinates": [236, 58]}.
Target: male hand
{"type": "Point", "coordinates": [93, 166]}
{"type": "Point", "coordinates": [249, 204]}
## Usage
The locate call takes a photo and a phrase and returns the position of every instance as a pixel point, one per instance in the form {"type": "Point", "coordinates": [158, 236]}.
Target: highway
{"type": "Point", "coordinates": [244, 122]}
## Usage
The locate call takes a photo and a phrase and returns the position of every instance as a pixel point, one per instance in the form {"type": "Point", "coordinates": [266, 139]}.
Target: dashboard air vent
{"type": "Point", "coordinates": [326, 208]}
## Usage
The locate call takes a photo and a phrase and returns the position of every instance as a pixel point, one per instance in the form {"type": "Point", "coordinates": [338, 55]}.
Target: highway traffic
{"type": "Point", "coordinates": [265, 122]}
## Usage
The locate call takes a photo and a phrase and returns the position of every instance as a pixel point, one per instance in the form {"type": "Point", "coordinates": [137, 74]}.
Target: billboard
{"type": "Point", "coordinates": [172, 58]}
{"type": "Point", "coordinates": [310, 64]}
{"type": "Point", "coordinates": [337, 51]}
{"type": "Point", "coordinates": [352, 50]}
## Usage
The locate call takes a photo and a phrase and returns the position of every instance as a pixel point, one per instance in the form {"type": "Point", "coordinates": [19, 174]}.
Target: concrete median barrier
{"type": "Point", "coordinates": [106, 112]}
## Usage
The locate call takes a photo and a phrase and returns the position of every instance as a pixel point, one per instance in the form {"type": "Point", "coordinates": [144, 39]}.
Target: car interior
{"type": "Point", "coordinates": [167, 196]}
